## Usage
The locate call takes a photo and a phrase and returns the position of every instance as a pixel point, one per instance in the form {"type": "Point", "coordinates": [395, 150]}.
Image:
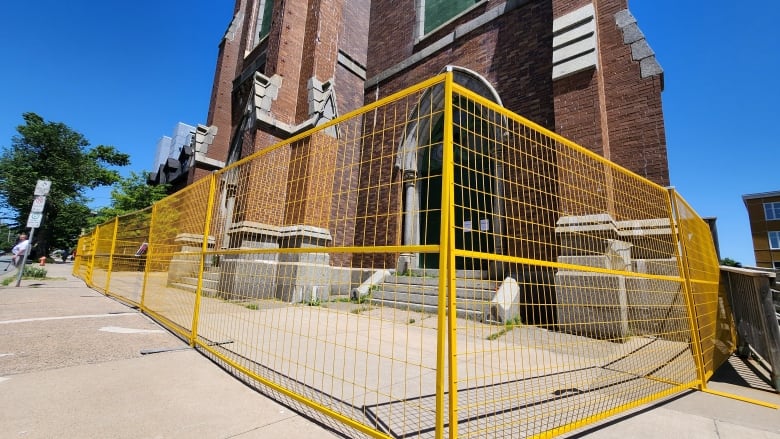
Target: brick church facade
{"type": "Point", "coordinates": [581, 68]}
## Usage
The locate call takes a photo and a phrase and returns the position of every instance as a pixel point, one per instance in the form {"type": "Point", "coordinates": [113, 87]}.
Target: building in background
{"type": "Point", "coordinates": [183, 156]}
{"type": "Point", "coordinates": [764, 214]}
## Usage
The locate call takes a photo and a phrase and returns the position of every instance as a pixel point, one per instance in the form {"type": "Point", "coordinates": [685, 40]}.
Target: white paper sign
{"type": "Point", "coordinates": [467, 226]}
{"type": "Point", "coordinates": [484, 224]}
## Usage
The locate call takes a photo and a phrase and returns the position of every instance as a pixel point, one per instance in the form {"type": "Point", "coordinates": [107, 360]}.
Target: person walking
{"type": "Point", "coordinates": [20, 249]}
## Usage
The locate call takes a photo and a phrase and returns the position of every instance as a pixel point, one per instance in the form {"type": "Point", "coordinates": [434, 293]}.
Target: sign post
{"type": "Point", "coordinates": [34, 220]}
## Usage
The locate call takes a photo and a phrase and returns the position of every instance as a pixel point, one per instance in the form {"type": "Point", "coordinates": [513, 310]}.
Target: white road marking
{"type": "Point", "coordinates": [43, 319]}
{"type": "Point", "coordinates": [119, 330]}
{"type": "Point", "coordinates": [6, 355]}
{"type": "Point", "coordinates": [4, 379]}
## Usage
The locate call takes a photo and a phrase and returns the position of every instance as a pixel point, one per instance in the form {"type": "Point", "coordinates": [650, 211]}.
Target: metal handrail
{"type": "Point", "coordinates": [750, 294]}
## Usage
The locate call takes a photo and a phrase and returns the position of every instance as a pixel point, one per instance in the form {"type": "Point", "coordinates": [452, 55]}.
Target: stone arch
{"type": "Point", "coordinates": [416, 158]}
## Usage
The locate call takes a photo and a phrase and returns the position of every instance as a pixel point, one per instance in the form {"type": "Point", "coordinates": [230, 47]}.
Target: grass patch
{"type": "Point", "coordinates": [28, 273]}
{"type": "Point", "coordinates": [252, 306]}
{"type": "Point", "coordinates": [361, 309]}
{"type": "Point", "coordinates": [508, 326]}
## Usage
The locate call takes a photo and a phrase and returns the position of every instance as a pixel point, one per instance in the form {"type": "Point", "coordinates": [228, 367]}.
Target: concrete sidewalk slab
{"type": "Point", "coordinates": [72, 366]}
{"type": "Point", "coordinates": [178, 394]}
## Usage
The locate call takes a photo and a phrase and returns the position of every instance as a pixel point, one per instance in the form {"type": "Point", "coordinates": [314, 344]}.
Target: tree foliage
{"type": "Point", "coordinates": [53, 151]}
{"type": "Point", "coordinates": [129, 195]}
{"type": "Point", "coordinates": [730, 262]}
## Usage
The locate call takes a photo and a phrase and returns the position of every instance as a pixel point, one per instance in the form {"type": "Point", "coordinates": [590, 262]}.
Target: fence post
{"type": "Point", "coordinates": [203, 251]}
{"type": "Point", "coordinates": [95, 240]}
{"type": "Point", "coordinates": [682, 263]}
{"type": "Point", "coordinates": [446, 303]}
{"type": "Point", "coordinates": [148, 255]}
{"type": "Point", "coordinates": [111, 254]}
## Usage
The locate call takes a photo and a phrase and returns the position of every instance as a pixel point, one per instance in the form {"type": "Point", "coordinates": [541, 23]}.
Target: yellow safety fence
{"type": "Point", "coordinates": [431, 265]}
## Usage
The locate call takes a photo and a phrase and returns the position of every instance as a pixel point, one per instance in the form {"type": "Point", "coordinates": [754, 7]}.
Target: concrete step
{"type": "Point", "coordinates": [416, 292]}
{"type": "Point", "coordinates": [432, 309]}
{"type": "Point", "coordinates": [207, 282]}
{"type": "Point", "coordinates": [480, 291]}
{"type": "Point", "coordinates": [429, 299]}
{"type": "Point", "coordinates": [209, 292]}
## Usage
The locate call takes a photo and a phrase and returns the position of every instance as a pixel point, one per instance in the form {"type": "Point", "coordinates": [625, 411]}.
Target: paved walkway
{"type": "Point", "coordinates": [76, 364]}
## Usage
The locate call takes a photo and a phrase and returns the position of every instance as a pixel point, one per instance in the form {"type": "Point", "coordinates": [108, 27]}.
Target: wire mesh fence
{"type": "Point", "coordinates": [430, 265]}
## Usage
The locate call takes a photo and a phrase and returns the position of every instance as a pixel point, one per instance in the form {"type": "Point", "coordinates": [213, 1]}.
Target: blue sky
{"type": "Point", "coordinates": [124, 73]}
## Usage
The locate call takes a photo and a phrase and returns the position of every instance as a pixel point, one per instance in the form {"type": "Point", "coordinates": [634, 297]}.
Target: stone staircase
{"type": "Point", "coordinates": [418, 290]}
{"type": "Point", "coordinates": [210, 282]}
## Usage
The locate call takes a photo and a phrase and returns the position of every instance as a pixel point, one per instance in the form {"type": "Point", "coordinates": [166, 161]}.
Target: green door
{"type": "Point", "coordinates": [473, 191]}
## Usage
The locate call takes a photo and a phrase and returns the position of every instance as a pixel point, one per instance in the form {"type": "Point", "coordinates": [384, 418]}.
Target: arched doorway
{"type": "Point", "coordinates": [475, 138]}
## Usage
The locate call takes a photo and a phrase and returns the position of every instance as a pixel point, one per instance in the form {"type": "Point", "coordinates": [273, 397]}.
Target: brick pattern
{"type": "Point", "coordinates": [320, 48]}
{"type": "Point", "coordinates": [635, 116]}
{"type": "Point", "coordinates": [310, 181]}
{"type": "Point", "coordinates": [285, 55]}
{"type": "Point", "coordinates": [563, 7]}
{"type": "Point", "coordinates": [521, 76]}
{"type": "Point", "coordinates": [513, 52]}
{"type": "Point", "coordinates": [353, 35]}
{"type": "Point", "coordinates": [629, 107]}
{"type": "Point", "coordinates": [516, 60]}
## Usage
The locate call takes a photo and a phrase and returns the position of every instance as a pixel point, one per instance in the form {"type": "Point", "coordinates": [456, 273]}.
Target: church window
{"type": "Point", "coordinates": [435, 13]}
{"type": "Point", "coordinates": [263, 24]}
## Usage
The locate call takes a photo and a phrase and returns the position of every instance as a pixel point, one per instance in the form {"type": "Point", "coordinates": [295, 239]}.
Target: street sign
{"type": "Point", "coordinates": [42, 187]}
{"type": "Point", "coordinates": [38, 203]}
{"type": "Point", "coordinates": [34, 220]}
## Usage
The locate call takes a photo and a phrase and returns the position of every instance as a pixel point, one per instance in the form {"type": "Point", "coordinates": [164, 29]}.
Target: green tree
{"type": "Point", "coordinates": [730, 262]}
{"type": "Point", "coordinates": [53, 151]}
{"type": "Point", "coordinates": [129, 195]}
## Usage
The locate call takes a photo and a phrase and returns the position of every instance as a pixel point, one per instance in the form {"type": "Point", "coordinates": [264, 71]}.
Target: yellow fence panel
{"type": "Point", "coordinates": [431, 265]}
{"type": "Point", "coordinates": [174, 256]}
{"type": "Point", "coordinates": [305, 233]}
{"type": "Point", "coordinates": [590, 316]}
{"type": "Point", "coordinates": [128, 261]}
{"type": "Point", "coordinates": [82, 260]}
{"type": "Point", "coordinates": [703, 273]}
{"type": "Point", "coordinates": [101, 257]}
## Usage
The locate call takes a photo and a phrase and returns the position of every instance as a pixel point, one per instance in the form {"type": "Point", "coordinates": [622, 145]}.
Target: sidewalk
{"type": "Point", "coordinates": [77, 364]}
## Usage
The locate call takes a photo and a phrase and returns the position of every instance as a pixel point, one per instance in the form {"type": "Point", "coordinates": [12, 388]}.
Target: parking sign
{"type": "Point", "coordinates": [34, 220]}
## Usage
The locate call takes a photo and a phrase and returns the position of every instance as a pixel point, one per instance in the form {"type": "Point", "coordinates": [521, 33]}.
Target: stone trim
{"type": "Point", "coordinates": [322, 103]}
{"type": "Point", "coordinates": [574, 42]}
{"type": "Point", "coordinates": [204, 136]}
{"type": "Point", "coordinates": [640, 49]}
{"type": "Point", "coordinates": [322, 106]}
{"type": "Point", "coordinates": [604, 222]}
{"type": "Point", "coordinates": [235, 24]}
{"type": "Point", "coordinates": [350, 64]}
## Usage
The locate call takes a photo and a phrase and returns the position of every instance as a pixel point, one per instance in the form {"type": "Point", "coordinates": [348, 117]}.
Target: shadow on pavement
{"type": "Point", "coordinates": [744, 372]}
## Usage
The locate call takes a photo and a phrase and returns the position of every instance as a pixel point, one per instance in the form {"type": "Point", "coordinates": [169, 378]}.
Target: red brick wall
{"type": "Point", "coordinates": [220, 108]}
{"type": "Point", "coordinates": [634, 113]}
{"type": "Point", "coordinates": [285, 55]}
{"type": "Point", "coordinates": [516, 60]}
{"type": "Point", "coordinates": [626, 105]}
{"type": "Point", "coordinates": [563, 7]}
